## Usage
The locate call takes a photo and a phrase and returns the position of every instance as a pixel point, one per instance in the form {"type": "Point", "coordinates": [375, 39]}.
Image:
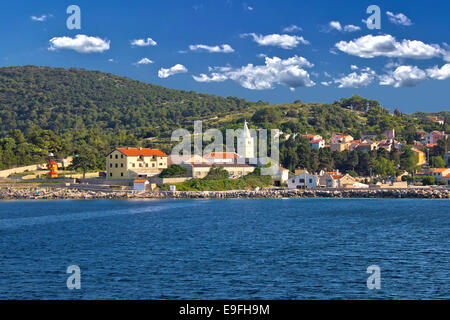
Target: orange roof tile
{"type": "Point", "coordinates": [139, 181]}
{"type": "Point", "coordinates": [134, 152]}
{"type": "Point", "coordinates": [439, 170]}
{"type": "Point", "coordinates": [337, 176]}
{"type": "Point", "coordinates": [221, 155]}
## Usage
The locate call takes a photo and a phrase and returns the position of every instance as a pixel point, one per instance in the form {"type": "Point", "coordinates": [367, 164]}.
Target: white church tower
{"type": "Point", "coordinates": [246, 143]}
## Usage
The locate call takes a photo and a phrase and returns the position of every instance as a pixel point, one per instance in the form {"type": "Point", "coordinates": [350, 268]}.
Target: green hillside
{"type": "Point", "coordinates": [75, 111]}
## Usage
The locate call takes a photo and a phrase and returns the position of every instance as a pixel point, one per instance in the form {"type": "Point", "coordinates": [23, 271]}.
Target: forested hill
{"type": "Point", "coordinates": [88, 113]}
{"type": "Point", "coordinates": [60, 99]}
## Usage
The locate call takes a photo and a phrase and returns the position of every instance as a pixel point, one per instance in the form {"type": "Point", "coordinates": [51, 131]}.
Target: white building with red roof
{"type": "Point", "coordinates": [127, 163]}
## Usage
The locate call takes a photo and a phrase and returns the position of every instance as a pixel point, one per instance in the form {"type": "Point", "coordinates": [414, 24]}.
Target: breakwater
{"type": "Point", "coordinates": [73, 193]}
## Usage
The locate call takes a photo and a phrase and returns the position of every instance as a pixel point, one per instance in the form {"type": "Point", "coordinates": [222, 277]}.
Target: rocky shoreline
{"type": "Point", "coordinates": [73, 193]}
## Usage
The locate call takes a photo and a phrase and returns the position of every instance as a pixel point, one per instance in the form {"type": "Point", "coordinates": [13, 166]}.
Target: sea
{"type": "Point", "coordinates": [225, 249]}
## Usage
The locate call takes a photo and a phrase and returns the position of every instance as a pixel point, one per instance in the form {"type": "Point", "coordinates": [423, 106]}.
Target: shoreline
{"type": "Point", "coordinates": [79, 194]}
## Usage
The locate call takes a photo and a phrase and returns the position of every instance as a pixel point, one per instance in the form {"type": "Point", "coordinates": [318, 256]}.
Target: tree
{"type": "Point", "coordinates": [384, 167]}
{"type": "Point", "coordinates": [174, 171]}
{"type": "Point", "coordinates": [85, 161]}
{"type": "Point", "coordinates": [217, 173]}
{"type": "Point", "coordinates": [438, 162]}
{"type": "Point", "coordinates": [408, 160]}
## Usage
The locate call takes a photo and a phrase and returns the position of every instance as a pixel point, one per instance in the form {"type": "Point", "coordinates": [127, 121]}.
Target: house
{"type": "Point", "coordinates": [434, 136]}
{"type": "Point", "coordinates": [179, 159]}
{"type": "Point", "coordinates": [279, 175]}
{"type": "Point", "coordinates": [385, 144]}
{"type": "Point", "coordinates": [221, 157]}
{"type": "Point", "coordinates": [201, 170]}
{"type": "Point", "coordinates": [140, 184]}
{"type": "Point", "coordinates": [340, 146]}
{"type": "Point", "coordinates": [126, 163]}
{"type": "Point", "coordinates": [341, 138]}
{"type": "Point", "coordinates": [438, 173]}
{"type": "Point", "coordinates": [317, 144]}
{"type": "Point", "coordinates": [303, 180]}
{"type": "Point", "coordinates": [420, 156]}
{"type": "Point", "coordinates": [366, 147]}
{"type": "Point", "coordinates": [436, 119]}
{"type": "Point", "coordinates": [311, 137]}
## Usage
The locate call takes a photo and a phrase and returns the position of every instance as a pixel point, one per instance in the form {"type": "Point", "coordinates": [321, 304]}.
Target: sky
{"type": "Point", "coordinates": [274, 51]}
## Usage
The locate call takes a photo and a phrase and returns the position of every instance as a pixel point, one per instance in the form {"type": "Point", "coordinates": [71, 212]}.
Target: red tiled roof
{"type": "Point", "coordinates": [52, 162]}
{"type": "Point", "coordinates": [139, 181]}
{"type": "Point", "coordinates": [315, 141]}
{"type": "Point", "coordinates": [134, 152]}
{"type": "Point", "coordinates": [439, 170]}
{"type": "Point", "coordinates": [221, 155]}
{"type": "Point", "coordinates": [447, 176]}
{"type": "Point", "coordinates": [337, 176]}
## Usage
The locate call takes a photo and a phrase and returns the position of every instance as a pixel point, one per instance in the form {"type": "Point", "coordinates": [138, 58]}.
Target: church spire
{"type": "Point", "coordinates": [246, 131]}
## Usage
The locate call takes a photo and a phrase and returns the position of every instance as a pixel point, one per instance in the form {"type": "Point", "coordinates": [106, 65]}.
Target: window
{"type": "Point", "coordinates": [117, 165]}
{"type": "Point", "coordinates": [310, 180]}
{"type": "Point", "coordinates": [140, 165]}
{"type": "Point", "coordinates": [301, 180]}
{"type": "Point", "coordinates": [146, 165]}
{"type": "Point", "coordinates": [133, 165]}
{"type": "Point", "coordinates": [117, 156]}
{"type": "Point", "coordinates": [153, 165]}
{"type": "Point", "coordinates": [110, 165]}
{"type": "Point", "coordinates": [121, 165]}
{"type": "Point", "coordinates": [121, 156]}
{"type": "Point", "coordinates": [121, 174]}
{"type": "Point", "coordinates": [110, 156]}
{"type": "Point", "coordinates": [110, 174]}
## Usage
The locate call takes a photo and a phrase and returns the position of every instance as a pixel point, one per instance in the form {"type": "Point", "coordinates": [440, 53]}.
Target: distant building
{"type": "Point", "coordinates": [311, 137]}
{"type": "Point", "coordinates": [140, 184]}
{"type": "Point", "coordinates": [341, 138]}
{"type": "Point", "coordinates": [420, 156]}
{"type": "Point", "coordinates": [126, 163]}
{"type": "Point", "coordinates": [340, 146]}
{"type": "Point", "coordinates": [221, 157]}
{"type": "Point", "coordinates": [436, 119]}
{"type": "Point", "coordinates": [303, 180]}
{"type": "Point", "coordinates": [366, 147]}
{"type": "Point", "coordinates": [201, 170]}
{"type": "Point", "coordinates": [390, 134]}
{"type": "Point", "coordinates": [434, 136]}
{"type": "Point", "coordinates": [317, 144]}
{"type": "Point", "coordinates": [438, 173]}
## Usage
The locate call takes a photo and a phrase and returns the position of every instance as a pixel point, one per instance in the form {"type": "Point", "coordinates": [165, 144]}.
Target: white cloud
{"type": "Point", "coordinates": [41, 18]}
{"type": "Point", "coordinates": [356, 80]}
{"type": "Point", "coordinates": [143, 42]}
{"type": "Point", "coordinates": [165, 73]}
{"type": "Point", "coordinates": [214, 77]}
{"type": "Point", "coordinates": [437, 73]}
{"type": "Point", "coordinates": [370, 46]}
{"type": "Point", "coordinates": [247, 7]}
{"type": "Point", "coordinates": [399, 19]}
{"type": "Point", "coordinates": [353, 67]}
{"type": "Point", "coordinates": [224, 48]}
{"type": "Point", "coordinates": [403, 76]}
{"type": "Point", "coordinates": [284, 41]}
{"type": "Point", "coordinates": [336, 25]}
{"type": "Point", "coordinates": [111, 60]}
{"type": "Point", "coordinates": [292, 28]}
{"type": "Point", "coordinates": [81, 43]}
{"type": "Point", "coordinates": [288, 72]}
{"type": "Point", "coordinates": [144, 61]}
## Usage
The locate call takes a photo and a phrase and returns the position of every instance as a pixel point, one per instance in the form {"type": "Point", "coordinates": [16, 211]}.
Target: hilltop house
{"type": "Point", "coordinates": [126, 163]}
{"type": "Point", "coordinates": [436, 119]}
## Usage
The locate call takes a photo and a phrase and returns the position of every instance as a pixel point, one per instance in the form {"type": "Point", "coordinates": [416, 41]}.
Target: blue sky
{"type": "Point", "coordinates": [246, 48]}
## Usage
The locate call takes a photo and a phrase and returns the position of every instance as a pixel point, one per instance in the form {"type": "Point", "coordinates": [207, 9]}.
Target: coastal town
{"type": "Point", "coordinates": [136, 171]}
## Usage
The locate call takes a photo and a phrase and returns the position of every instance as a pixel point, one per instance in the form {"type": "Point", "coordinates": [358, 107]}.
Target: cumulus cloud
{"type": "Point", "coordinates": [370, 46]}
{"type": "Point", "coordinates": [336, 25]}
{"type": "Point", "coordinates": [399, 19]}
{"type": "Point", "coordinates": [356, 80]}
{"type": "Point", "coordinates": [224, 48]}
{"type": "Point", "coordinates": [292, 28]}
{"type": "Point", "coordinates": [288, 72]}
{"type": "Point", "coordinates": [165, 73]}
{"type": "Point", "coordinates": [284, 41]}
{"type": "Point", "coordinates": [144, 61]}
{"type": "Point", "coordinates": [81, 43]}
{"type": "Point", "coordinates": [143, 42]}
{"type": "Point", "coordinates": [437, 73]}
{"type": "Point", "coordinates": [403, 76]}
{"type": "Point", "coordinates": [41, 18]}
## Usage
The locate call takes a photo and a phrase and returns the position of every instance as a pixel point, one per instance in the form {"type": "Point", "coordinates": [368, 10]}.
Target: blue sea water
{"type": "Point", "coordinates": [225, 249]}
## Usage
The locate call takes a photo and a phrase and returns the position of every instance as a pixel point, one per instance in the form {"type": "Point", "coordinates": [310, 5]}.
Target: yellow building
{"type": "Point", "coordinates": [127, 163]}
{"type": "Point", "coordinates": [420, 155]}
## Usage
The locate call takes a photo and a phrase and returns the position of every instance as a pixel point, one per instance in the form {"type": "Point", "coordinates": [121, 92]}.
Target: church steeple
{"type": "Point", "coordinates": [246, 143]}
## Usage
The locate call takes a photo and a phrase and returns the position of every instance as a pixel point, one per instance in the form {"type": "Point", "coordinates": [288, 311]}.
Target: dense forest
{"type": "Point", "coordinates": [87, 113]}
